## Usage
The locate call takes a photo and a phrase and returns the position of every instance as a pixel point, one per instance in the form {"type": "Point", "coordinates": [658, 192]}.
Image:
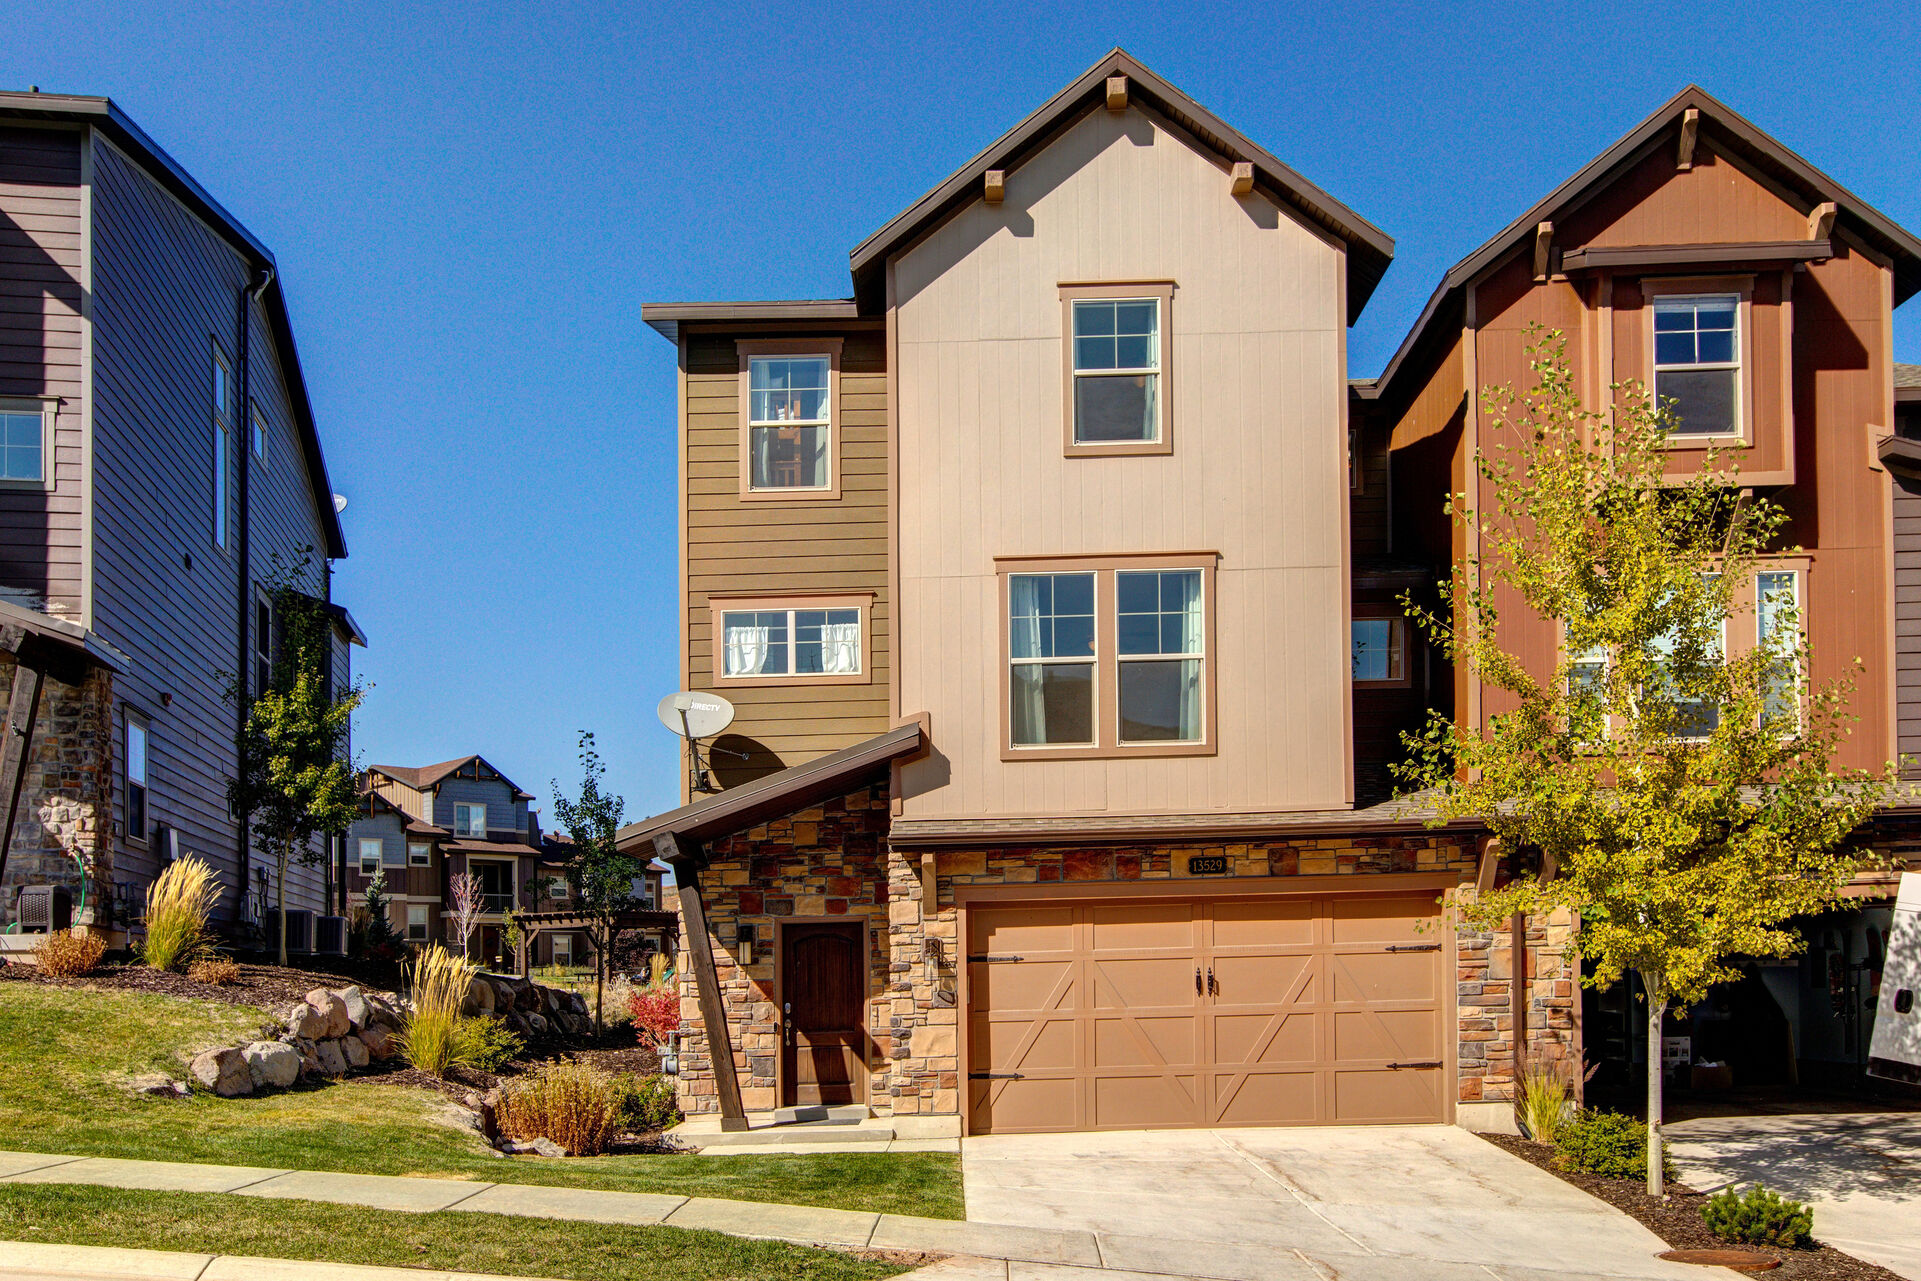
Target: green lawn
{"type": "Point", "coordinates": [62, 1049]}
{"type": "Point", "coordinates": [210, 1223]}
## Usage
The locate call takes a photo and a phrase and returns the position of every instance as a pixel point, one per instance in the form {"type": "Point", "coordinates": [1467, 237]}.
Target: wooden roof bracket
{"type": "Point", "coordinates": [1117, 93]}
{"type": "Point", "coordinates": [687, 858]}
{"type": "Point", "coordinates": [1821, 221]}
{"type": "Point", "coordinates": [1690, 130]}
{"type": "Point", "coordinates": [1241, 178]}
{"type": "Point", "coordinates": [994, 186]}
{"type": "Point", "coordinates": [1543, 250]}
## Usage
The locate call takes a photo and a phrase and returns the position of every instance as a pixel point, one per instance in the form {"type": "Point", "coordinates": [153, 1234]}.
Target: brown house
{"type": "Point", "coordinates": [1052, 576]}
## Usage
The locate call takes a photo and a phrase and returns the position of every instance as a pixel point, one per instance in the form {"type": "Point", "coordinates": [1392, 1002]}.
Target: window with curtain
{"type": "Point", "coordinates": [1777, 627]}
{"type": "Point", "coordinates": [1697, 362]}
{"type": "Point", "coordinates": [791, 642]}
{"type": "Point", "coordinates": [1117, 370]}
{"type": "Point", "coordinates": [1160, 643]}
{"type": "Point", "coordinates": [1377, 649]}
{"type": "Point", "coordinates": [1051, 656]}
{"type": "Point", "coordinates": [789, 422]}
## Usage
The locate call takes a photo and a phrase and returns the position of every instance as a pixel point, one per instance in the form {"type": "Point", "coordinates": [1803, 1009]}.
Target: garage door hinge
{"type": "Point", "coordinates": [992, 958]}
{"type": "Point", "coordinates": [1413, 947]}
{"type": "Point", "coordinates": [995, 1076]}
{"type": "Point", "coordinates": [1418, 1063]}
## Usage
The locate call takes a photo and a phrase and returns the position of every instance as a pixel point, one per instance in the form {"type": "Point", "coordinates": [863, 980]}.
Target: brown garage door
{"type": "Point", "coordinates": [1142, 1013]}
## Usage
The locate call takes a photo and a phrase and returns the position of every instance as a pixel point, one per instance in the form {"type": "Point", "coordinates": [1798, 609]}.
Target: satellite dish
{"type": "Point", "coordinates": [696, 715]}
{"type": "Point", "coordinates": [340, 503]}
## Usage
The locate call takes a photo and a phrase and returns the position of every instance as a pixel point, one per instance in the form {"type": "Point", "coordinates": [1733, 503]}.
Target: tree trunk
{"type": "Point", "coordinates": [281, 893]}
{"type": "Point", "coordinates": [600, 977]}
{"type": "Point", "coordinates": [1657, 1012]}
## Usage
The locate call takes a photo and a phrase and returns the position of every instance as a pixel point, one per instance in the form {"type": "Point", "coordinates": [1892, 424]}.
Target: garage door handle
{"type": "Point", "coordinates": [995, 1076]}
{"type": "Point", "coordinates": [1417, 1063]}
{"type": "Point", "coordinates": [1413, 947]}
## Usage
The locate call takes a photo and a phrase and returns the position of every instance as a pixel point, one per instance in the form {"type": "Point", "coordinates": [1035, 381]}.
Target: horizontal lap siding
{"type": "Point", "coordinates": [504, 813]}
{"type": "Point", "coordinates": [43, 279]}
{"type": "Point", "coordinates": [787, 548]}
{"type": "Point", "coordinates": [1907, 620]}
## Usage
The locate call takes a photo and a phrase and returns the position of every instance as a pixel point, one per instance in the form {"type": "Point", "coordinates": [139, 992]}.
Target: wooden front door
{"type": "Point", "coordinates": [823, 991]}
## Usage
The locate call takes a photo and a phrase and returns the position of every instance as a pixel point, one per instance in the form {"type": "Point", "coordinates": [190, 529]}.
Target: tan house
{"type": "Point", "coordinates": [1052, 577]}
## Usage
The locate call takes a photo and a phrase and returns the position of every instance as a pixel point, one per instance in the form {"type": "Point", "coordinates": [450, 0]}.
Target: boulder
{"type": "Point", "coordinates": [544, 1146]}
{"type": "Point", "coordinates": [578, 1004]}
{"type": "Point", "coordinates": [223, 1071]}
{"type": "Point", "coordinates": [486, 1114]}
{"type": "Point", "coordinates": [159, 1085]}
{"type": "Point", "coordinates": [537, 1024]}
{"type": "Point", "coordinates": [338, 1024]}
{"type": "Point", "coordinates": [358, 1011]}
{"type": "Point", "coordinates": [332, 1061]}
{"type": "Point", "coordinates": [306, 1023]}
{"type": "Point", "coordinates": [271, 1064]}
{"type": "Point", "coordinates": [379, 1042]}
{"type": "Point", "coordinates": [553, 999]}
{"type": "Point", "coordinates": [355, 1050]}
{"type": "Point", "coordinates": [381, 1013]}
{"type": "Point", "coordinates": [504, 997]}
{"type": "Point", "coordinates": [309, 1057]}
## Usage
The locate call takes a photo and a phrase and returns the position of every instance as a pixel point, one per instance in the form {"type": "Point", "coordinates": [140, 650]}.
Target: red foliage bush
{"type": "Point", "coordinates": [656, 1014]}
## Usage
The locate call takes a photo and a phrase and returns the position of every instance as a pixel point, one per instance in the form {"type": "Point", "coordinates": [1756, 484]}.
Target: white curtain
{"type": "Point", "coordinates": [1193, 641]}
{"type": "Point", "coordinates": [747, 649]}
{"type": "Point", "coordinates": [1029, 710]}
{"type": "Point", "coordinates": [840, 648]}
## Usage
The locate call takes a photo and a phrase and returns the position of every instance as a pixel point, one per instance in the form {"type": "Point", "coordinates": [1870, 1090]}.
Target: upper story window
{"type": "Point", "coordinates": [1117, 358]}
{"type": "Point", "coordinates": [1107, 657]}
{"type": "Point", "coordinates": [26, 444]}
{"type": "Point", "coordinates": [791, 640]}
{"type": "Point", "coordinates": [790, 419]}
{"type": "Point", "coordinates": [1777, 627]}
{"type": "Point", "coordinates": [221, 412]}
{"type": "Point", "coordinates": [136, 767]}
{"type": "Point", "coordinates": [257, 433]}
{"type": "Point", "coordinates": [1377, 651]}
{"type": "Point", "coordinates": [370, 848]}
{"type": "Point", "coordinates": [1697, 362]}
{"type": "Point", "coordinates": [416, 922]}
{"type": "Point", "coordinates": [470, 819]}
{"type": "Point", "coordinates": [262, 645]}
{"type": "Point", "coordinates": [419, 854]}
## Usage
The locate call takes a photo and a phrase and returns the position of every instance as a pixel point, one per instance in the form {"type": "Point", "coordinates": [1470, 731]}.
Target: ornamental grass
{"type": "Point", "coordinates": [573, 1104]}
{"type": "Point", "coordinates": [68, 955]}
{"type": "Point", "coordinates": [432, 1040]}
{"type": "Point", "coordinates": [179, 904]}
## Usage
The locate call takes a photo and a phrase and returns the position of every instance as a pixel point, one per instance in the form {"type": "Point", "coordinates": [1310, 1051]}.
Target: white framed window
{"type": "Point", "coordinates": [1161, 644]}
{"type": "Point", "coordinates": [470, 819]}
{"type": "Point", "coordinates": [556, 888]}
{"type": "Point", "coordinates": [1377, 651]}
{"type": "Point", "coordinates": [1777, 628]}
{"type": "Point", "coordinates": [799, 642]}
{"type": "Point", "coordinates": [1051, 660]}
{"type": "Point", "coordinates": [1697, 362]}
{"type": "Point", "coordinates": [1116, 371]}
{"type": "Point", "coordinates": [416, 922]}
{"type": "Point", "coordinates": [26, 444]}
{"type": "Point", "coordinates": [257, 433]}
{"type": "Point", "coordinates": [370, 851]}
{"type": "Point", "coordinates": [221, 413]}
{"type": "Point", "coordinates": [563, 949]}
{"type": "Point", "coordinates": [419, 854]}
{"type": "Point", "coordinates": [134, 756]}
{"type": "Point", "coordinates": [1698, 716]}
{"type": "Point", "coordinates": [790, 422]}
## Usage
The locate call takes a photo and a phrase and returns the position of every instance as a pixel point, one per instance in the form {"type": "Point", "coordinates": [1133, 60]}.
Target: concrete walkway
{"type": "Point", "coordinates": [39, 1261]}
{"type": "Point", "coordinates": [1861, 1172]}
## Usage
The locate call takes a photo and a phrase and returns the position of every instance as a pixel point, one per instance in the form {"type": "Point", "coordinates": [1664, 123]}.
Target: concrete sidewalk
{"type": "Point", "coordinates": [33, 1260]}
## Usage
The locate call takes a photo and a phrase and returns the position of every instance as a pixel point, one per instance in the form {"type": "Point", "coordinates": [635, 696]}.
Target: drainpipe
{"type": "Point", "coordinates": [242, 435]}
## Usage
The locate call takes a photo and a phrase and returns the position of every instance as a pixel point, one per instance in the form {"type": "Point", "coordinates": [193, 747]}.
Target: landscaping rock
{"type": "Point", "coordinates": [537, 1024]}
{"type": "Point", "coordinates": [481, 993]}
{"type": "Point", "coordinates": [309, 1056]}
{"type": "Point", "coordinates": [338, 1024]}
{"type": "Point", "coordinates": [359, 1013]}
{"type": "Point", "coordinates": [544, 1146]}
{"type": "Point", "coordinates": [159, 1085]}
{"type": "Point", "coordinates": [271, 1064]}
{"type": "Point", "coordinates": [379, 1042]}
{"type": "Point", "coordinates": [223, 1071]}
{"type": "Point", "coordinates": [332, 1061]}
{"type": "Point", "coordinates": [356, 1051]}
{"type": "Point", "coordinates": [381, 1013]}
{"type": "Point", "coordinates": [306, 1023]}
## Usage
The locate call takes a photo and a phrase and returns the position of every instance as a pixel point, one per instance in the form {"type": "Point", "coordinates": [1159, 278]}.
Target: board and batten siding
{"type": "Point", "coordinates": [787, 547]}
{"type": "Point", "coordinates": [43, 285]}
{"type": "Point", "coordinates": [1907, 623]}
{"type": "Point", "coordinates": [165, 298]}
{"type": "Point", "coordinates": [1257, 473]}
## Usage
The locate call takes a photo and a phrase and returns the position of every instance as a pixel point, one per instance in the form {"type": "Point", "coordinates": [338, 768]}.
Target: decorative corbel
{"type": "Point", "coordinates": [1117, 93]}
{"type": "Point", "coordinates": [1241, 177]}
{"type": "Point", "coordinates": [1543, 250]}
{"type": "Point", "coordinates": [1690, 130]}
{"type": "Point", "coordinates": [995, 187]}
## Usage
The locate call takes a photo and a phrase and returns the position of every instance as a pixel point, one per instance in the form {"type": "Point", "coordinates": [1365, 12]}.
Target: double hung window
{"type": "Point", "coordinates": [416, 922]}
{"type": "Point", "coordinates": [470, 819]}
{"type": "Point", "coordinates": [1118, 353]}
{"type": "Point", "coordinates": [419, 854]}
{"type": "Point", "coordinates": [1697, 362]}
{"type": "Point", "coordinates": [790, 418]}
{"type": "Point", "coordinates": [1161, 648]}
{"type": "Point", "coordinates": [1777, 628]}
{"type": "Point", "coordinates": [370, 848]}
{"type": "Point", "coordinates": [136, 767]}
{"type": "Point", "coordinates": [1050, 647]}
{"type": "Point", "coordinates": [797, 639]}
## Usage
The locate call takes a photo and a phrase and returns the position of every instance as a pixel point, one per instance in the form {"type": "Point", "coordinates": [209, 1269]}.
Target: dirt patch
{"type": "Point", "coordinates": [1676, 1219]}
{"type": "Point", "coordinates": [267, 987]}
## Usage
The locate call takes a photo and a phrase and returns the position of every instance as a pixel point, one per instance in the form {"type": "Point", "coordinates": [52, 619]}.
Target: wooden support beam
{"type": "Point", "coordinates": [1117, 93]}
{"type": "Point", "coordinates": [929, 885]}
{"type": "Point", "coordinates": [1690, 130]}
{"type": "Point", "coordinates": [995, 187]}
{"type": "Point", "coordinates": [1821, 221]}
{"type": "Point", "coordinates": [687, 859]}
{"type": "Point", "coordinates": [16, 745]}
{"type": "Point", "coordinates": [1543, 250]}
{"type": "Point", "coordinates": [1490, 863]}
{"type": "Point", "coordinates": [1241, 178]}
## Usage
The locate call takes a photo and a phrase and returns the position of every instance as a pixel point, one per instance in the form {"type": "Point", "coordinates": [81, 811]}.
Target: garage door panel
{"type": "Point", "coordinates": [1134, 927]}
{"type": "Point", "coordinates": [1268, 1098]}
{"type": "Point", "coordinates": [1387, 1097]}
{"type": "Point", "coordinates": [1022, 929]}
{"type": "Point", "coordinates": [1270, 1038]}
{"type": "Point", "coordinates": [1032, 986]}
{"type": "Point", "coordinates": [1257, 923]}
{"type": "Point", "coordinates": [1146, 1041]}
{"type": "Point", "coordinates": [1001, 1044]}
{"type": "Point", "coordinates": [1265, 981]}
{"type": "Point", "coordinates": [1383, 976]}
{"type": "Point", "coordinates": [1383, 920]}
{"type": "Point", "coordinates": [1025, 1106]}
{"type": "Point", "coordinates": [1386, 1035]}
{"type": "Point", "coordinates": [1126, 983]}
{"type": "Point", "coordinates": [1125, 1102]}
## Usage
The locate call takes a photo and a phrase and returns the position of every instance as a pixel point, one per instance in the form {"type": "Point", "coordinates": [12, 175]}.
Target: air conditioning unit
{"type": "Point", "coordinates": [299, 929]}
{"type": "Point", "coordinates": [329, 935]}
{"type": "Point", "coordinates": [43, 909]}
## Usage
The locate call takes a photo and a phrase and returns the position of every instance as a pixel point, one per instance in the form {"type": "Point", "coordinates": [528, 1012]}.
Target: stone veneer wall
{"type": "Point", "coordinates": [66, 800]}
{"type": "Point", "coordinates": [832, 860]}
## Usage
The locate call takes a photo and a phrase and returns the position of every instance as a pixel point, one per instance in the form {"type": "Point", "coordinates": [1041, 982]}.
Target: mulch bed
{"type": "Point", "coordinates": [266, 986]}
{"type": "Point", "coordinates": [1677, 1220]}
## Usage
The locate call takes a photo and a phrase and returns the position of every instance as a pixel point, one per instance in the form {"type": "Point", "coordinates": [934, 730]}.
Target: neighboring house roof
{"type": "Point", "coordinates": [104, 115]}
{"type": "Point", "coordinates": [1907, 382]}
{"type": "Point", "coordinates": [423, 777]}
{"type": "Point", "coordinates": [1733, 135]}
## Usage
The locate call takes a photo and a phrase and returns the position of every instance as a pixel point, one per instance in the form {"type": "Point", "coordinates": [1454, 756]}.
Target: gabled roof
{"type": "Point", "coordinates": [377, 804]}
{"type": "Point", "coordinates": [1732, 135]}
{"type": "Point", "coordinates": [102, 114]}
{"type": "Point", "coordinates": [1369, 249]}
{"type": "Point", "coordinates": [423, 777]}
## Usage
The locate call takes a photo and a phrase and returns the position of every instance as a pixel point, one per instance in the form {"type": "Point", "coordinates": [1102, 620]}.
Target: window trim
{"type": "Point", "coordinates": [220, 418]}
{"type": "Point", "coordinates": [1743, 640]}
{"type": "Point", "coordinates": [559, 938]}
{"type": "Point", "coordinates": [426, 921]}
{"type": "Point", "coordinates": [48, 407]}
{"type": "Point", "coordinates": [360, 854]}
{"type": "Point", "coordinates": [1669, 288]}
{"type": "Point", "coordinates": [1162, 292]}
{"type": "Point", "coordinates": [748, 351]}
{"type": "Point", "coordinates": [463, 833]}
{"type": "Point", "coordinates": [1378, 613]}
{"type": "Point", "coordinates": [257, 431]}
{"type": "Point", "coordinates": [1107, 744]}
{"type": "Point", "coordinates": [426, 858]}
{"type": "Point", "coordinates": [725, 604]}
{"type": "Point", "coordinates": [128, 719]}
{"type": "Point", "coordinates": [513, 890]}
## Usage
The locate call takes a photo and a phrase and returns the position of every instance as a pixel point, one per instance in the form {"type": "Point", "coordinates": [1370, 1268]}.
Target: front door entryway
{"type": "Point", "coordinates": [822, 994]}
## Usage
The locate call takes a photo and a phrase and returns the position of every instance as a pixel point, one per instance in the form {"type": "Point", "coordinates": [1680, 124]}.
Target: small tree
{"type": "Point", "coordinates": [599, 875]}
{"type": "Point", "coordinates": [1679, 798]}
{"type": "Point", "coordinates": [295, 782]}
{"type": "Point", "coordinates": [468, 903]}
{"type": "Point", "coordinates": [382, 941]}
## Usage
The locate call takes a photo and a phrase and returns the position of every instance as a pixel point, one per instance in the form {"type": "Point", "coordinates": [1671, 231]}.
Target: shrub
{"type": "Point", "coordinates": [1604, 1143]}
{"type": "Point", "coordinates": [641, 1106]}
{"type": "Point", "coordinates": [486, 1044]}
{"type": "Point", "coordinates": [69, 955]}
{"type": "Point", "coordinates": [218, 970]}
{"type": "Point", "coordinates": [570, 1103]}
{"type": "Point", "coordinates": [1545, 1087]}
{"type": "Point", "coordinates": [179, 902]}
{"type": "Point", "coordinates": [1759, 1218]}
{"type": "Point", "coordinates": [655, 1012]}
{"type": "Point", "coordinates": [431, 1040]}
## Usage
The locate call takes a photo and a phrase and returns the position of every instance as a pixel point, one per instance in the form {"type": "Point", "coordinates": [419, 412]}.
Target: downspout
{"type": "Point", "coordinates": [242, 436]}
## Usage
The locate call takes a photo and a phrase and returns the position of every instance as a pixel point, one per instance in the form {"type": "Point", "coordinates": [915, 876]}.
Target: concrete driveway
{"type": "Point", "coordinates": [1375, 1203]}
{"type": "Point", "coordinates": [1861, 1172]}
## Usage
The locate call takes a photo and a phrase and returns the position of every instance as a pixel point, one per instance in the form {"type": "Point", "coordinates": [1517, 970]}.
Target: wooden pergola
{"type": "Point", "coordinates": [534, 924]}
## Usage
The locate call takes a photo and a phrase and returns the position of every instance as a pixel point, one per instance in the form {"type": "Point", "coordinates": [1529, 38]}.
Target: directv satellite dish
{"type": "Point", "coordinates": [693, 715]}
{"type": "Point", "coordinates": [340, 503]}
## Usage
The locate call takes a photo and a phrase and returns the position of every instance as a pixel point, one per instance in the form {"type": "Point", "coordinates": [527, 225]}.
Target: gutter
{"type": "Point", "coordinates": [242, 435]}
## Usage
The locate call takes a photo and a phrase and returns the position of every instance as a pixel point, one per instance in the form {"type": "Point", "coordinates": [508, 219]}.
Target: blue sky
{"type": "Point", "coordinates": [471, 202]}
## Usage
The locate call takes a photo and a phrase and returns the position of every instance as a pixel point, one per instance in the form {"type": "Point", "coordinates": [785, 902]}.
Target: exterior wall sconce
{"type": "Point", "coordinates": [745, 936]}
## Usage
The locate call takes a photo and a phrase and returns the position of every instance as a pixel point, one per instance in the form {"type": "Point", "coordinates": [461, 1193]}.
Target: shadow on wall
{"type": "Point", "coordinates": [736, 758]}
{"type": "Point", "coordinates": [34, 288]}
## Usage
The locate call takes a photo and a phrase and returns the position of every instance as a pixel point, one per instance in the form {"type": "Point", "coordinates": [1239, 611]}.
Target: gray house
{"type": "Point", "coordinates": [158, 455]}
